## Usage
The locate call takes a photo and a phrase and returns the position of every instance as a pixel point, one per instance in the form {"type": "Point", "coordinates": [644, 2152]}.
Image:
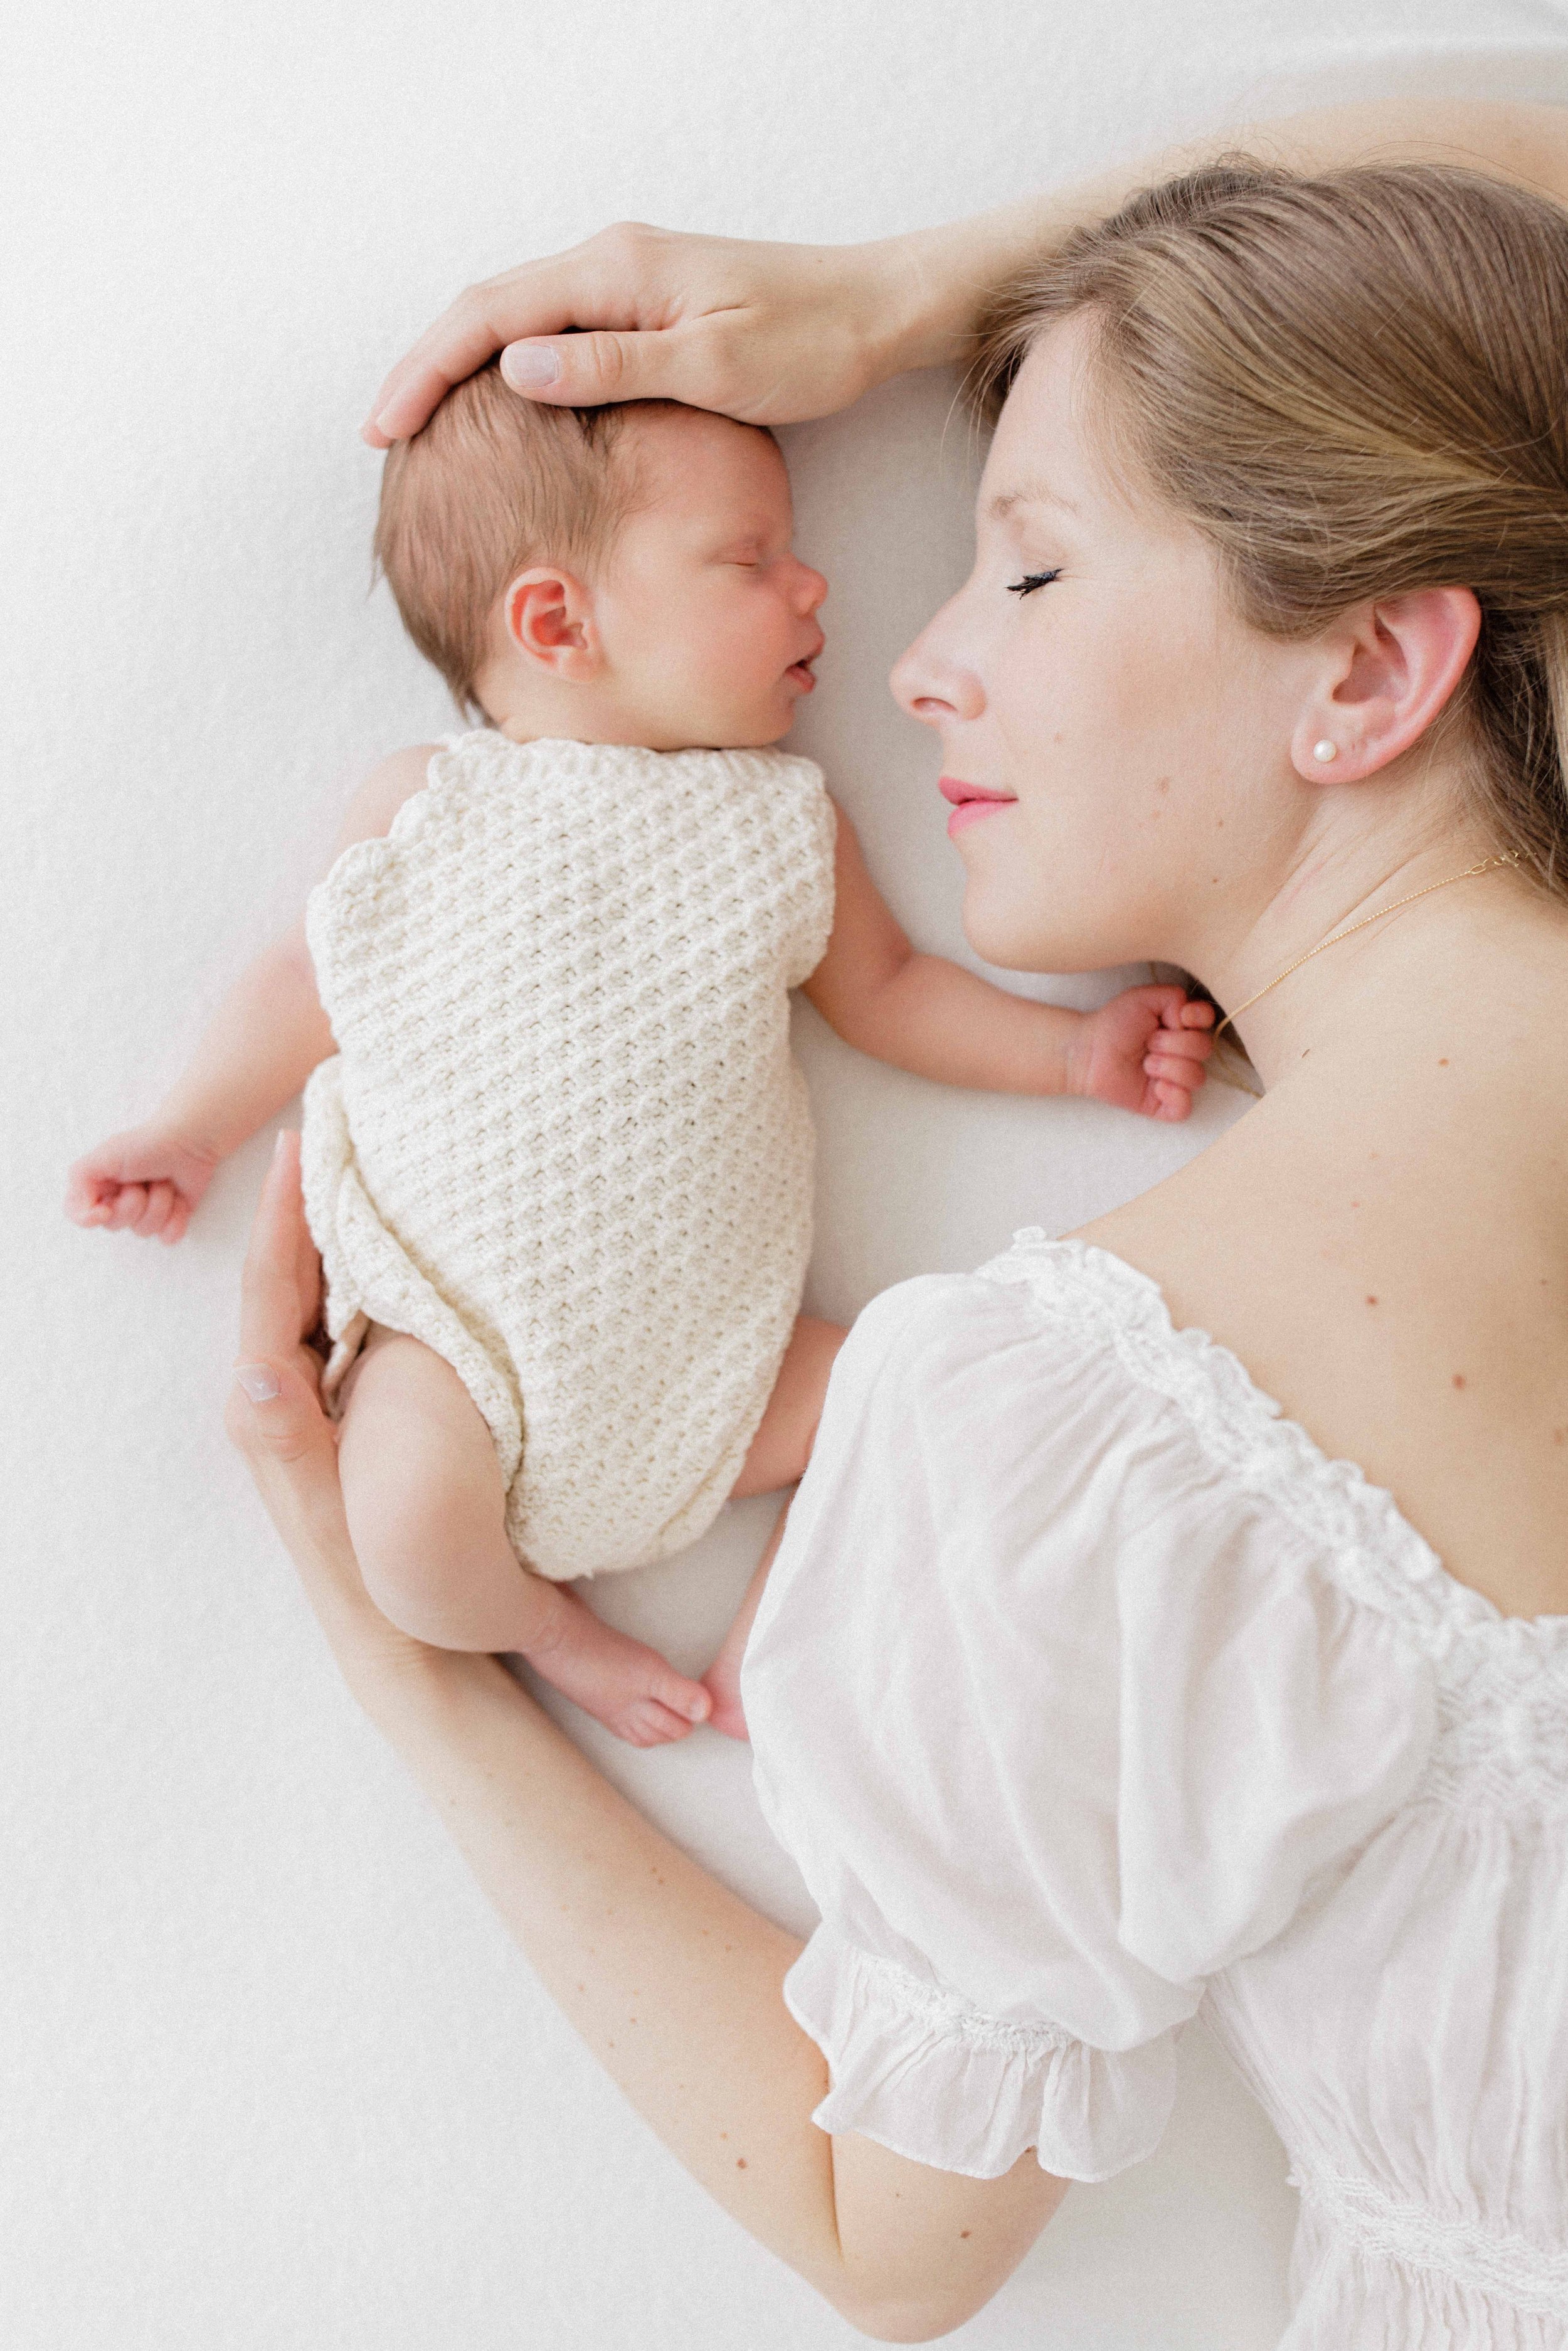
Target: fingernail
{"type": "Point", "coordinates": [529, 367]}
{"type": "Point", "coordinates": [257, 1382]}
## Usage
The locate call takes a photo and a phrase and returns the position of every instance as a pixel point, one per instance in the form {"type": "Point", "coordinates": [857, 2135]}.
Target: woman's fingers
{"type": "Point", "coordinates": [275, 1416]}
{"type": "Point", "coordinates": [769, 333]}
{"type": "Point", "coordinates": [274, 1317]}
{"type": "Point", "coordinates": [614, 280]}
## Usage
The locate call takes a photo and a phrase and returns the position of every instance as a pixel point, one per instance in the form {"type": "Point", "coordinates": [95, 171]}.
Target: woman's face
{"type": "Point", "coordinates": [1114, 738]}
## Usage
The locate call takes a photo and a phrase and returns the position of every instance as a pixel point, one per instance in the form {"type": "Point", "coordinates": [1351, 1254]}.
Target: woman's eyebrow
{"type": "Point", "coordinates": [1032, 494]}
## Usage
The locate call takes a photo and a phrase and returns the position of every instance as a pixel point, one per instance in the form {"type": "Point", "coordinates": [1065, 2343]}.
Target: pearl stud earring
{"type": "Point", "coordinates": [1325, 752]}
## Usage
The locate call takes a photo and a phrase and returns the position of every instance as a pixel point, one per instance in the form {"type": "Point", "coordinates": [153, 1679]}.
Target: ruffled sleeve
{"type": "Point", "coordinates": [1058, 1716]}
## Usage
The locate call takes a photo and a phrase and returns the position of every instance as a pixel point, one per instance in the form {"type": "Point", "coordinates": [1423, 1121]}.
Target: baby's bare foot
{"type": "Point", "coordinates": [722, 1682]}
{"type": "Point", "coordinates": [622, 1682]}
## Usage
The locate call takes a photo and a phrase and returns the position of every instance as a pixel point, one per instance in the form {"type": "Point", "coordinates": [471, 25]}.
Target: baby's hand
{"type": "Point", "coordinates": [146, 1181]}
{"type": "Point", "coordinates": [1144, 1050]}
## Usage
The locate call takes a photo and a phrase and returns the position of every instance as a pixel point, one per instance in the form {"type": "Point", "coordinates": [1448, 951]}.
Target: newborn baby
{"type": "Point", "coordinates": [557, 1152]}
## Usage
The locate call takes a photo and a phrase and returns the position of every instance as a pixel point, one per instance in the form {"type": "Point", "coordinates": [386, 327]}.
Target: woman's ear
{"type": "Point", "coordinates": [548, 617]}
{"type": "Point", "coordinates": [1389, 670]}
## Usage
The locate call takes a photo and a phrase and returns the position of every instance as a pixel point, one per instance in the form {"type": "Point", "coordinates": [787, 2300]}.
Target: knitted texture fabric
{"type": "Point", "coordinates": [564, 1141]}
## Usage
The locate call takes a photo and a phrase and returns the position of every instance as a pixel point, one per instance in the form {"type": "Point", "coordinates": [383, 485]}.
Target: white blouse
{"type": "Point", "coordinates": [1087, 1692]}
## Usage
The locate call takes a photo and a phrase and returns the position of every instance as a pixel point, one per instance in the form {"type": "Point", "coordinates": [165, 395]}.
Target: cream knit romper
{"type": "Point", "coordinates": [564, 1141]}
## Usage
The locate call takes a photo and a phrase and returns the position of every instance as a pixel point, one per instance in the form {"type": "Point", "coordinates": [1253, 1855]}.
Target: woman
{"type": "Point", "coordinates": [1088, 1689]}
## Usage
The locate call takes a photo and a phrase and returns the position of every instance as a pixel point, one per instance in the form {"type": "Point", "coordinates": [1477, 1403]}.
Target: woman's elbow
{"type": "Point", "coordinates": [910, 2318]}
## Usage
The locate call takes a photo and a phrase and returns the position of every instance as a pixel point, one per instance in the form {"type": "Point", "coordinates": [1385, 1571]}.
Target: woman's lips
{"type": "Point", "coordinates": [970, 803]}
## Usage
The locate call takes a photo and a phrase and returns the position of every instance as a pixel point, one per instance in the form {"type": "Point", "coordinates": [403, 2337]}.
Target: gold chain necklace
{"type": "Point", "coordinates": [1487, 865]}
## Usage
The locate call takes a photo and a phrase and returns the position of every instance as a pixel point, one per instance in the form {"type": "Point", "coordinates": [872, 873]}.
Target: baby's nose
{"type": "Point", "coordinates": [813, 590]}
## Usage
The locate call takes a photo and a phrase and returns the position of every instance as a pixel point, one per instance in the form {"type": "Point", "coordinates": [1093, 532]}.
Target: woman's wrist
{"type": "Point", "coordinates": [932, 283]}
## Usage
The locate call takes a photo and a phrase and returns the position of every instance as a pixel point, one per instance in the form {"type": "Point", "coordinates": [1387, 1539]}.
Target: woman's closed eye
{"type": "Point", "coordinates": [1031, 580]}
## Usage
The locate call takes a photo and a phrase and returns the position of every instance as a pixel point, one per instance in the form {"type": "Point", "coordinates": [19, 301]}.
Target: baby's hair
{"type": "Point", "coordinates": [493, 484]}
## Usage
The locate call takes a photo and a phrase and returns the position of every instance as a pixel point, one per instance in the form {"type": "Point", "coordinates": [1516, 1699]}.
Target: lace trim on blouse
{"type": "Point", "coordinates": [944, 2014]}
{"type": "Point", "coordinates": [1502, 1680]}
{"type": "Point", "coordinates": [1533, 2278]}
{"type": "Point", "coordinates": [915, 2068]}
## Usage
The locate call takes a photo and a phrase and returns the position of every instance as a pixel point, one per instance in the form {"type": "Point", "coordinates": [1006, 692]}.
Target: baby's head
{"type": "Point", "coordinates": [620, 575]}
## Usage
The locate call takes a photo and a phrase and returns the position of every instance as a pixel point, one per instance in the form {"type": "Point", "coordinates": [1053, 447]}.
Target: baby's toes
{"type": "Point", "coordinates": [728, 1715]}
{"type": "Point", "coordinates": [688, 1700]}
{"type": "Point", "coordinates": [646, 1723]}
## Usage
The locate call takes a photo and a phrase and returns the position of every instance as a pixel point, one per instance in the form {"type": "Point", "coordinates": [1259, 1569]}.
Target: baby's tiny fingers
{"type": "Point", "coordinates": [126, 1206]}
{"type": "Point", "coordinates": [1170, 1072]}
{"type": "Point", "coordinates": [1194, 1014]}
{"type": "Point", "coordinates": [155, 1215]}
{"type": "Point", "coordinates": [1194, 1044]}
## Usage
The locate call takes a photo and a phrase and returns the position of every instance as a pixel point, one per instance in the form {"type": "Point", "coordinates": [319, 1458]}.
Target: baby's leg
{"type": "Point", "coordinates": [782, 1444]}
{"type": "Point", "coordinates": [425, 1505]}
{"type": "Point", "coordinates": [780, 1452]}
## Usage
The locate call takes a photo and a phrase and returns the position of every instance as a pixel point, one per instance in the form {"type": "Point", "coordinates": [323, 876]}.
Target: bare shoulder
{"type": "Point", "coordinates": [1525, 143]}
{"type": "Point", "coordinates": [393, 780]}
{"type": "Point", "coordinates": [1533, 148]}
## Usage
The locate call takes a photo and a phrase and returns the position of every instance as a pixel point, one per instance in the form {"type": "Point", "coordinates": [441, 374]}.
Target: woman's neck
{"type": "Point", "coordinates": [1354, 942]}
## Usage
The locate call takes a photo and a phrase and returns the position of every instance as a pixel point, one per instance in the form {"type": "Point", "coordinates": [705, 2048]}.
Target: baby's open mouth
{"type": "Point", "coordinates": [802, 673]}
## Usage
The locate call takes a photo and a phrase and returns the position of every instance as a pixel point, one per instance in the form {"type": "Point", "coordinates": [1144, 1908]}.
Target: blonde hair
{"type": "Point", "coordinates": [493, 484]}
{"type": "Point", "coordinates": [1355, 385]}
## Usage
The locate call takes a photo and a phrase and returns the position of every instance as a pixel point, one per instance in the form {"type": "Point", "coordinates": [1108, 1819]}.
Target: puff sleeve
{"type": "Point", "coordinates": [1057, 1715]}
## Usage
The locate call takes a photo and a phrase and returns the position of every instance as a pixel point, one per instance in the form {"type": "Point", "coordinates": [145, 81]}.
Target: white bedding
{"type": "Point", "coordinates": [273, 2078]}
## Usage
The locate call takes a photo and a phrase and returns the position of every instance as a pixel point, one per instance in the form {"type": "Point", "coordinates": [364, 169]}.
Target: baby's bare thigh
{"type": "Point", "coordinates": [782, 1444]}
{"type": "Point", "coordinates": [408, 1418]}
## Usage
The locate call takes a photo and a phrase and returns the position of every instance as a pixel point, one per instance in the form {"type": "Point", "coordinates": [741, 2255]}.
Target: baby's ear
{"type": "Point", "coordinates": [548, 615]}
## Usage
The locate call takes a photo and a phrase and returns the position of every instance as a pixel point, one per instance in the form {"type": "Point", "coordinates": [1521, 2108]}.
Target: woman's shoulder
{"type": "Point", "coordinates": [1044, 1621]}
{"type": "Point", "coordinates": [1056, 1371]}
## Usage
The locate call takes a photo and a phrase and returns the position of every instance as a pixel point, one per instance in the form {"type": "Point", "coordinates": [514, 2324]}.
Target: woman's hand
{"type": "Point", "coordinates": [769, 333]}
{"type": "Point", "coordinates": [275, 1417]}
{"type": "Point", "coordinates": [772, 333]}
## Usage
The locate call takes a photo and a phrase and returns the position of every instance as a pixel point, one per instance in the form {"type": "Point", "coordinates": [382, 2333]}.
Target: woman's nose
{"type": "Point", "coordinates": [931, 685]}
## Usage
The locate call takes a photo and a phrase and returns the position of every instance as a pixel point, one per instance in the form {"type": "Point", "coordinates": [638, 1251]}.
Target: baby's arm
{"type": "Point", "coordinates": [261, 1045]}
{"type": "Point", "coordinates": [1144, 1050]}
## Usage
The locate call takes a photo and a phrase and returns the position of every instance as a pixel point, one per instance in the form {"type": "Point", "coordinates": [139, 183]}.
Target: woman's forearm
{"type": "Point", "coordinates": [675, 1984]}
{"type": "Point", "coordinates": [671, 1979]}
{"type": "Point", "coordinates": [937, 278]}
{"type": "Point", "coordinates": [773, 333]}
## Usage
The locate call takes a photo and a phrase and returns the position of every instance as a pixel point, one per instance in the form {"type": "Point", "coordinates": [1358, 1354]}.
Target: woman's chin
{"type": "Point", "coordinates": [1007, 938]}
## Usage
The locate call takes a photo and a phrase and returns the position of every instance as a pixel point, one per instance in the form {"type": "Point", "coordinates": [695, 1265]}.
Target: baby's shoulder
{"type": "Point", "coordinates": [386, 791]}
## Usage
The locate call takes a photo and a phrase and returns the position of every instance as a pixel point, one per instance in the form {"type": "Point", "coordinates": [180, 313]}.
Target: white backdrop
{"type": "Point", "coordinates": [272, 2078]}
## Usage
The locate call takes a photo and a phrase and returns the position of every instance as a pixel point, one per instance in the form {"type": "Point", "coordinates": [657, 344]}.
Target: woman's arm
{"type": "Point", "coordinates": [776, 332]}
{"type": "Point", "coordinates": [671, 1979]}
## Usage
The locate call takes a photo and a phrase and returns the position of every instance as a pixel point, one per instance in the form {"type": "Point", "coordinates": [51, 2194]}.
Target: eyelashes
{"type": "Point", "coordinates": [1031, 580]}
